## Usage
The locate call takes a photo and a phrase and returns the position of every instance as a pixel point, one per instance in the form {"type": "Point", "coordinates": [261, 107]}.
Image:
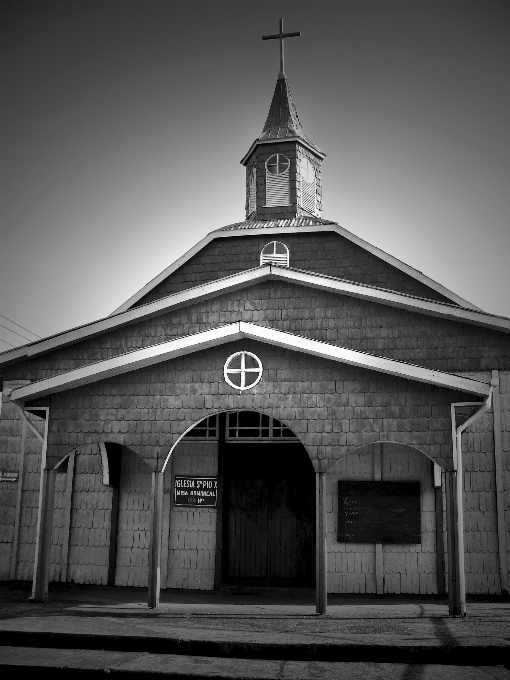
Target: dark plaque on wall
{"type": "Point", "coordinates": [196, 491]}
{"type": "Point", "coordinates": [379, 512]}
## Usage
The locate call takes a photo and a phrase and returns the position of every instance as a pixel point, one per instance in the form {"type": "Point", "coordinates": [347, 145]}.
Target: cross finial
{"type": "Point", "coordinates": [281, 36]}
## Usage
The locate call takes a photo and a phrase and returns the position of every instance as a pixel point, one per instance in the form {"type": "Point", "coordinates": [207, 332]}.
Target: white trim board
{"type": "Point", "coordinates": [229, 333]}
{"type": "Point", "coordinates": [414, 273]}
{"type": "Point", "coordinates": [249, 278]}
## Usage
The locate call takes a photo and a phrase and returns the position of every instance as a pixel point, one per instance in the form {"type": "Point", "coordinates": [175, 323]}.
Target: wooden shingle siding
{"type": "Point", "coordinates": [192, 531]}
{"type": "Point", "coordinates": [90, 520]}
{"type": "Point", "coordinates": [10, 457]}
{"type": "Point", "coordinates": [406, 568]}
{"type": "Point", "coordinates": [327, 253]}
{"type": "Point", "coordinates": [381, 330]}
{"type": "Point", "coordinates": [504, 385]}
{"type": "Point", "coordinates": [333, 408]}
{"type": "Point", "coordinates": [134, 522]}
{"type": "Point", "coordinates": [480, 518]}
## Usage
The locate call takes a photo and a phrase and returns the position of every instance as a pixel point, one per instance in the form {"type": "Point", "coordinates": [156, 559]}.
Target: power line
{"type": "Point", "coordinates": [20, 326]}
{"type": "Point", "coordinates": [8, 343]}
{"type": "Point", "coordinates": [15, 333]}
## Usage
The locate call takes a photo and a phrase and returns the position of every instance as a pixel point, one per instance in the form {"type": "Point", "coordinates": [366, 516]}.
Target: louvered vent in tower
{"type": "Point", "coordinates": [252, 191]}
{"type": "Point", "coordinates": [277, 180]}
{"type": "Point", "coordinates": [275, 253]}
{"type": "Point", "coordinates": [308, 186]}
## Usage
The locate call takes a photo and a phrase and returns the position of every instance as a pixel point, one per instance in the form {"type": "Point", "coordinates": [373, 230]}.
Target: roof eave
{"type": "Point", "coordinates": [199, 341]}
{"type": "Point", "coordinates": [311, 147]}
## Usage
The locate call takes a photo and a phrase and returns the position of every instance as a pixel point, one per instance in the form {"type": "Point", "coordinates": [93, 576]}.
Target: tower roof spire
{"type": "Point", "coordinates": [283, 121]}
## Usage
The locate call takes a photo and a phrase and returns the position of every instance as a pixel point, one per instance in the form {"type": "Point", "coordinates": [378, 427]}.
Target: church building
{"type": "Point", "coordinates": [285, 405]}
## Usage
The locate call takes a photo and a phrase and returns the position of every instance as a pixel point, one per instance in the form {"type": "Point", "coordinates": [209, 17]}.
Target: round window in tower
{"type": "Point", "coordinates": [277, 164]}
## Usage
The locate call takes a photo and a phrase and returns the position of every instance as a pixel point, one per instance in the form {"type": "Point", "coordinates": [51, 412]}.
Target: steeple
{"type": "Point", "coordinates": [283, 167]}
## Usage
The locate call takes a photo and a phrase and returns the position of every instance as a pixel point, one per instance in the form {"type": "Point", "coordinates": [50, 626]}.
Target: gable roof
{"type": "Point", "coordinates": [194, 343]}
{"type": "Point", "coordinates": [295, 225]}
{"type": "Point", "coordinates": [248, 278]}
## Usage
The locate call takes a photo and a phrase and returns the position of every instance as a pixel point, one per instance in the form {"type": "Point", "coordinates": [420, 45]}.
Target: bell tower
{"type": "Point", "coordinates": [283, 167]}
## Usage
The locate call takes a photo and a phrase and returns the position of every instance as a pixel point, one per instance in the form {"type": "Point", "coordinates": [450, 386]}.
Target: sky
{"type": "Point", "coordinates": [123, 123]}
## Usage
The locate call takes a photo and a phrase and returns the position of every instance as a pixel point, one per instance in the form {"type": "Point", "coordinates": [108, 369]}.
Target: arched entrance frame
{"type": "Point", "coordinates": [376, 451]}
{"type": "Point", "coordinates": [66, 464]}
{"type": "Point", "coordinates": [155, 551]}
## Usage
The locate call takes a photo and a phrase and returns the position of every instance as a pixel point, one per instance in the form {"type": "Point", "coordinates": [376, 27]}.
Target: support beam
{"type": "Point", "coordinates": [219, 567]}
{"type": "Point", "coordinates": [500, 487]}
{"type": "Point", "coordinates": [454, 607]}
{"type": "Point", "coordinates": [68, 506]}
{"type": "Point", "coordinates": [438, 498]}
{"type": "Point", "coordinates": [43, 540]}
{"type": "Point", "coordinates": [19, 496]}
{"type": "Point", "coordinates": [154, 584]}
{"type": "Point", "coordinates": [321, 572]}
{"type": "Point", "coordinates": [44, 518]}
{"type": "Point", "coordinates": [114, 530]}
{"type": "Point", "coordinates": [379, 554]}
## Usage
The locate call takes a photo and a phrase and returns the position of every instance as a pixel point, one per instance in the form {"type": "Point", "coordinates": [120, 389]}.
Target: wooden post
{"type": "Point", "coordinates": [379, 555]}
{"type": "Point", "coordinates": [438, 492]}
{"type": "Point", "coordinates": [460, 529]}
{"type": "Point", "coordinates": [321, 572]}
{"type": "Point", "coordinates": [114, 528]}
{"type": "Point", "coordinates": [44, 517]}
{"type": "Point", "coordinates": [154, 579]}
{"type": "Point", "coordinates": [500, 486]}
{"type": "Point", "coordinates": [218, 561]}
{"type": "Point", "coordinates": [451, 535]}
{"type": "Point", "coordinates": [19, 495]}
{"type": "Point", "coordinates": [67, 516]}
{"type": "Point", "coordinates": [43, 539]}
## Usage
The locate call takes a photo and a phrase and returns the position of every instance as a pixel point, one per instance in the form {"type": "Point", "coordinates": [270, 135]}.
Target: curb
{"type": "Point", "coordinates": [490, 654]}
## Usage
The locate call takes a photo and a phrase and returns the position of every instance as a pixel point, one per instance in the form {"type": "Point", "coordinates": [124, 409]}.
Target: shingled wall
{"type": "Point", "coordinates": [332, 406]}
{"type": "Point", "coordinates": [379, 329]}
{"type": "Point", "coordinates": [405, 568]}
{"type": "Point", "coordinates": [188, 531]}
{"type": "Point", "coordinates": [325, 253]}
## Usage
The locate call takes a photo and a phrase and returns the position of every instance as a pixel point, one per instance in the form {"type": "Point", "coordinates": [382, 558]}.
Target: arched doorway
{"type": "Point", "coordinates": [268, 504]}
{"type": "Point", "coordinates": [262, 531]}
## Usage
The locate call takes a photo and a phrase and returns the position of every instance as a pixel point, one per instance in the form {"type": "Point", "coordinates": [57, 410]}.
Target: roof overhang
{"type": "Point", "coordinates": [246, 279]}
{"type": "Point", "coordinates": [336, 228]}
{"type": "Point", "coordinates": [194, 343]}
{"type": "Point", "coordinates": [311, 147]}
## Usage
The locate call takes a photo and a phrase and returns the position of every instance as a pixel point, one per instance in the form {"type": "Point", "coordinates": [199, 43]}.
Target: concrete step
{"type": "Point", "coordinates": [473, 652]}
{"type": "Point", "coordinates": [79, 663]}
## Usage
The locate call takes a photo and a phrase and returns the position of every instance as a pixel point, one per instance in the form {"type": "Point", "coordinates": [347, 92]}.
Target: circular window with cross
{"type": "Point", "coordinates": [277, 164]}
{"type": "Point", "coordinates": [242, 370]}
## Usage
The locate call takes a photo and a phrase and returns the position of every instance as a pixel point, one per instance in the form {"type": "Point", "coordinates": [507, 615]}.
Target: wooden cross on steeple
{"type": "Point", "coordinates": [281, 36]}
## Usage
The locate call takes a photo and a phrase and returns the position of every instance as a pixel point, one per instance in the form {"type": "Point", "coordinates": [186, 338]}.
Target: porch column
{"type": "Point", "coordinates": [44, 514]}
{"type": "Point", "coordinates": [321, 562]}
{"type": "Point", "coordinates": [454, 582]}
{"type": "Point", "coordinates": [43, 538]}
{"type": "Point", "coordinates": [154, 579]}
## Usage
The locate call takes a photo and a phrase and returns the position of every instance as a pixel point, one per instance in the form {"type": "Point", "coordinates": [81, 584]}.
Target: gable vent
{"type": "Point", "coordinates": [275, 253]}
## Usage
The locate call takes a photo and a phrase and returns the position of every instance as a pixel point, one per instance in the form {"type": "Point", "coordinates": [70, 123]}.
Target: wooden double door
{"type": "Point", "coordinates": [268, 515]}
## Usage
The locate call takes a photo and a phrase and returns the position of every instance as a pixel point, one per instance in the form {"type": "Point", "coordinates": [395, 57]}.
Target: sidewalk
{"type": "Point", "coordinates": [191, 625]}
